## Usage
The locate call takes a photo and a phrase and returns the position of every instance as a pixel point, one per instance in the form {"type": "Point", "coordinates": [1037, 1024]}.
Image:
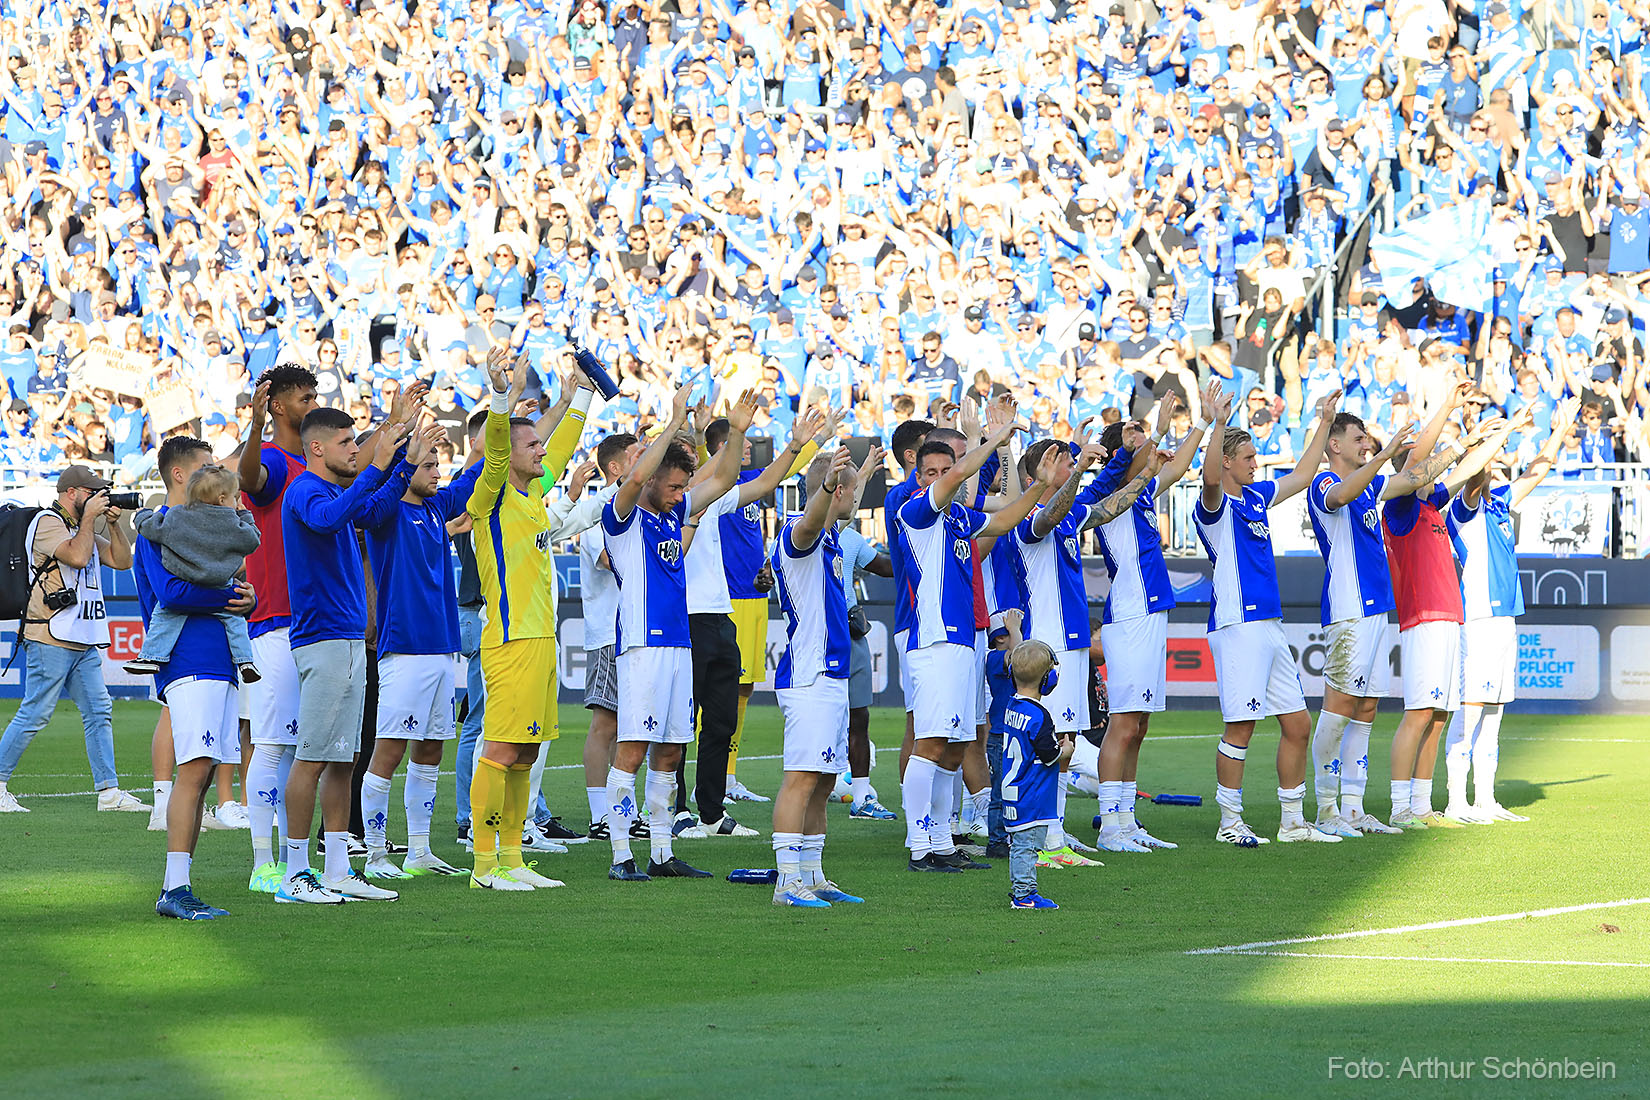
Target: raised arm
{"type": "Point", "coordinates": [251, 466]}
{"type": "Point", "coordinates": [1564, 416]}
{"type": "Point", "coordinates": [1175, 468]}
{"type": "Point", "coordinates": [1219, 404]}
{"type": "Point", "coordinates": [1345, 491]}
{"type": "Point", "coordinates": [1312, 457]}
{"type": "Point", "coordinates": [1007, 518]}
{"type": "Point", "coordinates": [1122, 500]}
{"type": "Point", "coordinates": [784, 463]}
{"type": "Point", "coordinates": [725, 471]}
{"type": "Point", "coordinates": [947, 484]}
{"type": "Point", "coordinates": [1057, 508]}
{"type": "Point", "coordinates": [630, 489]}
{"type": "Point", "coordinates": [817, 514]}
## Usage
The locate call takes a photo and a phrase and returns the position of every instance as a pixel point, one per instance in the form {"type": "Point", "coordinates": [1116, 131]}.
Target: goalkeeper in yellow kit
{"type": "Point", "coordinates": [511, 533]}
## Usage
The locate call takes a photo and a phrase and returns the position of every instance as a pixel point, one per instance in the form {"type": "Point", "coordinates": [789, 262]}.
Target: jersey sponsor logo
{"type": "Point", "coordinates": [959, 547]}
{"type": "Point", "coordinates": [541, 541]}
{"type": "Point", "coordinates": [752, 512]}
{"type": "Point", "coordinates": [836, 567]}
{"type": "Point", "coordinates": [1259, 529]}
{"type": "Point", "coordinates": [1370, 520]}
{"type": "Point", "coordinates": [1071, 545]}
{"type": "Point", "coordinates": [669, 550]}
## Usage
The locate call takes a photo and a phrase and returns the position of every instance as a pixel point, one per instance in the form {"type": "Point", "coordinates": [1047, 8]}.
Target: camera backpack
{"type": "Point", "coordinates": [17, 573]}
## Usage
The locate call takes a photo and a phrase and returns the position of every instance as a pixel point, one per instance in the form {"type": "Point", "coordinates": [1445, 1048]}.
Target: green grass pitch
{"type": "Point", "coordinates": [933, 987]}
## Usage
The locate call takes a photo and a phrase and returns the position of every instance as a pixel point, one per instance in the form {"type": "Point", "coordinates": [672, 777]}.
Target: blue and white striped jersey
{"type": "Point", "coordinates": [1057, 605]}
{"type": "Point", "coordinates": [645, 551]}
{"type": "Point", "coordinates": [940, 569]}
{"type": "Point", "coordinates": [815, 608]}
{"type": "Point", "coordinates": [1356, 580]}
{"type": "Point", "coordinates": [1483, 538]}
{"type": "Point", "coordinates": [1133, 550]}
{"type": "Point", "coordinates": [1239, 542]}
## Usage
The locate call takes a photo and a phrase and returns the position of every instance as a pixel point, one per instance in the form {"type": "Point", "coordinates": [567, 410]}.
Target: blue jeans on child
{"type": "Point", "coordinates": [996, 829]}
{"type": "Point", "coordinates": [1023, 846]}
{"type": "Point", "coordinates": [160, 637]}
{"type": "Point", "coordinates": [50, 671]}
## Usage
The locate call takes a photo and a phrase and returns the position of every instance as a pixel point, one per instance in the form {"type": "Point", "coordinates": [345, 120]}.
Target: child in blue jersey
{"type": "Point", "coordinates": [1032, 760]}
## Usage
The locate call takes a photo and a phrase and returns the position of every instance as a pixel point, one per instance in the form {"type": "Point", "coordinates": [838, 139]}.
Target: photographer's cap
{"type": "Point", "coordinates": [79, 477]}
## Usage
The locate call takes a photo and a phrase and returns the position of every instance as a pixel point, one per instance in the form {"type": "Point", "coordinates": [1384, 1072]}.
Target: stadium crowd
{"type": "Point", "coordinates": [1023, 221]}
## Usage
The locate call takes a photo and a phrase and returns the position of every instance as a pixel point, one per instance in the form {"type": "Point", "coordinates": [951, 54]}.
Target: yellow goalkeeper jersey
{"type": "Point", "coordinates": [511, 535]}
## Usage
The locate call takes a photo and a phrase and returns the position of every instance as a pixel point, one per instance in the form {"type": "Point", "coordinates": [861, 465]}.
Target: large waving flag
{"type": "Point", "coordinates": [1446, 248]}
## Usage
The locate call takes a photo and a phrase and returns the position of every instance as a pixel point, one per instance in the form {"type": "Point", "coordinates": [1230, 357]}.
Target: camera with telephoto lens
{"type": "Point", "coordinates": [126, 502]}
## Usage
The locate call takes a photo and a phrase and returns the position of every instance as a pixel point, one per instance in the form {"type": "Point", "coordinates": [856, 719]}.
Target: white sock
{"type": "Point", "coordinates": [265, 794]}
{"type": "Point", "coordinates": [418, 799]}
{"type": "Point", "coordinates": [917, 795]}
{"type": "Point", "coordinates": [1111, 801]}
{"type": "Point", "coordinates": [1292, 799]}
{"type": "Point", "coordinates": [297, 856]}
{"type": "Point", "coordinates": [535, 779]}
{"type": "Point", "coordinates": [939, 829]}
{"type": "Point", "coordinates": [163, 791]}
{"type": "Point", "coordinates": [1486, 754]}
{"type": "Point", "coordinates": [979, 804]}
{"type": "Point", "coordinates": [1057, 831]}
{"type": "Point", "coordinates": [375, 810]}
{"type": "Point", "coordinates": [1354, 767]}
{"type": "Point", "coordinates": [787, 857]}
{"type": "Point", "coordinates": [954, 800]}
{"type": "Point", "coordinates": [1400, 795]}
{"type": "Point", "coordinates": [861, 787]}
{"type": "Point", "coordinates": [659, 790]}
{"type": "Point", "coordinates": [177, 869]}
{"type": "Point", "coordinates": [813, 856]}
{"type": "Point", "coordinates": [597, 797]}
{"type": "Point", "coordinates": [335, 847]}
{"type": "Point", "coordinates": [1230, 801]}
{"type": "Point", "coordinates": [1326, 762]}
{"type": "Point", "coordinates": [1131, 789]}
{"type": "Point", "coordinates": [1420, 796]}
{"type": "Point", "coordinates": [1463, 724]}
{"type": "Point", "coordinates": [620, 811]}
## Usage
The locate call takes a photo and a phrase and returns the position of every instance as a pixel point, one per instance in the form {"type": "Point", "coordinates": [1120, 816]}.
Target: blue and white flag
{"type": "Point", "coordinates": [1447, 248]}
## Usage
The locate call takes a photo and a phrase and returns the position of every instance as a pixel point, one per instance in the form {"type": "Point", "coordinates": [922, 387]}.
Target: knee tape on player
{"type": "Point", "coordinates": [1231, 751]}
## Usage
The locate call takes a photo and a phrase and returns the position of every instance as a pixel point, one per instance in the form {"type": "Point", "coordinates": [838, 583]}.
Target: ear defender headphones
{"type": "Point", "coordinates": [1050, 678]}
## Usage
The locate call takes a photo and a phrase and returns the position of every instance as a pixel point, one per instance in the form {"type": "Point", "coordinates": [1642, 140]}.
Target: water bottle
{"type": "Point", "coordinates": [593, 370]}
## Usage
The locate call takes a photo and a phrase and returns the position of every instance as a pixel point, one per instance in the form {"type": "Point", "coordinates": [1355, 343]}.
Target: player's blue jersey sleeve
{"type": "Point", "coordinates": [918, 511]}
{"type": "Point", "coordinates": [1401, 513]}
{"type": "Point", "coordinates": [275, 469]}
{"type": "Point", "coordinates": [1266, 491]}
{"type": "Point", "coordinates": [975, 521]}
{"type": "Point", "coordinates": [1209, 515]}
{"type": "Point", "coordinates": [1318, 494]}
{"type": "Point", "coordinates": [612, 524]}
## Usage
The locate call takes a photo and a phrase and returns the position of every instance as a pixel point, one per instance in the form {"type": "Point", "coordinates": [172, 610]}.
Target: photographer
{"type": "Point", "coordinates": [66, 627]}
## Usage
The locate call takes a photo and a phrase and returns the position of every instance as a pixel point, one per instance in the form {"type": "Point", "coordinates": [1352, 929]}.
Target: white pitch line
{"type": "Point", "coordinates": [1463, 922]}
{"type": "Point", "coordinates": [1436, 959]}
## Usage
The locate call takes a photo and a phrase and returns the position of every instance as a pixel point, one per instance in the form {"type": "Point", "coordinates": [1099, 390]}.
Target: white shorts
{"type": "Point", "coordinates": [816, 726]}
{"type": "Point", "coordinates": [905, 671]}
{"type": "Point", "coordinates": [942, 686]}
{"type": "Point", "coordinates": [275, 695]}
{"type": "Point", "coordinates": [656, 695]}
{"type": "Point", "coordinates": [1431, 655]}
{"type": "Point", "coordinates": [1069, 701]}
{"type": "Point", "coordinates": [244, 704]}
{"type": "Point", "coordinates": [1489, 659]}
{"type": "Point", "coordinates": [982, 697]}
{"type": "Point", "coordinates": [415, 696]}
{"type": "Point", "coordinates": [1357, 661]}
{"type": "Point", "coordinates": [206, 720]}
{"type": "Point", "coordinates": [1137, 653]}
{"type": "Point", "coordinates": [1255, 671]}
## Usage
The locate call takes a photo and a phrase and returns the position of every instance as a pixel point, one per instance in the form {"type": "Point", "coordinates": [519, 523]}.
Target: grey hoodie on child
{"type": "Point", "coordinates": [204, 544]}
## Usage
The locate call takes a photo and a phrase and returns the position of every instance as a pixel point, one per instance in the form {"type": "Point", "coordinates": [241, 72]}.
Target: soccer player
{"type": "Point", "coordinates": [858, 554]}
{"type": "Point", "coordinates": [1430, 618]}
{"type": "Point", "coordinates": [1255, 669]}
{"type": "Point", "coordinates": [284, 395]}
{"type": "Point", "coordinates": [643, 526]}
{"type": "Point", "coordinates": [198, 684]}
{"type": "Point", "coordinates": [1480, 525]}
{"type": "Point", "coordinates": [327, 593]}
{"type": "Point", "coordinates": [1047, 549]}
{"type": "Point", "coordinates": [743, 543]}
{"type": "Point", "coordinates": [599, 593]}
{"type": "Point", "coordinates": [1344, 503]}
{"type": "Point", "coordinates": [941, 647]}
{"type": "Point", "coordinates": [811, 681]}
{"type": "Point", "coordinates": [1135, 627]}
{"type": "Point", "coordinates": [719, 664]}
{"type": "Point", "coordinates": [907, 439]}
{"type": "Point", "coordinates": [511, 530]}
{"type": "Point", "coordinates": [417, 612]}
